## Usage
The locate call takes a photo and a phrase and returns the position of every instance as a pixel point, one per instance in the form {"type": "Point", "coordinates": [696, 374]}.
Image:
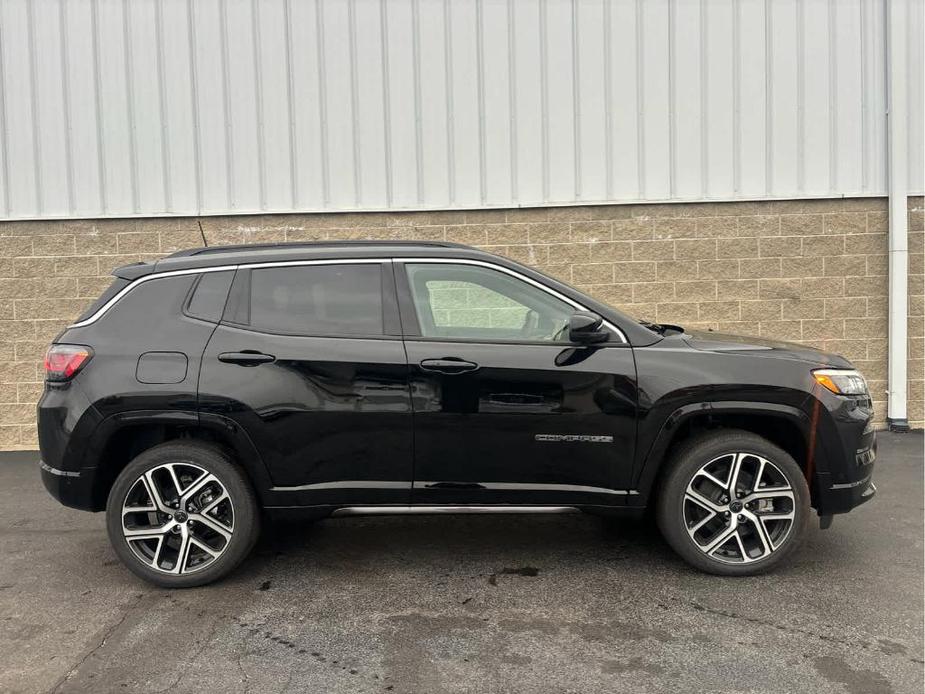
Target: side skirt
{"type": "Point", "coordinates": [313, 513]}
{"type": "Point", "coordinates": [433, 510]}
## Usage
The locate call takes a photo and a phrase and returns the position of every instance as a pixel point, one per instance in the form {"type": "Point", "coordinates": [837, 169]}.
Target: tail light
{"type": "Point", "coordinates": [62, 362]}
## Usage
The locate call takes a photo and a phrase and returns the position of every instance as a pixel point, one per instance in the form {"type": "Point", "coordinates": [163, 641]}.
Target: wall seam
{"type": "Point", "coordinates": [354, 110]}
{"type": "Point", "coordinates": [130, 104]}
{"type": "Point", "coordinates": [194, 104]}
{"type": "Point", "coordinates": [256, 40]}
{"type": "Point", "coordinates": [4, 133]}
{"type": "Point", "coordinates": [66, 104]}
{"type": "Point", "coordinates": [162, 105]}
{"type": "Point", "coordinates": [34, 110]}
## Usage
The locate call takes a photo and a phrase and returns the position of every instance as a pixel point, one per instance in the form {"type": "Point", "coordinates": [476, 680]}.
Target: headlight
{"type": "Point", "coordinates": [841, 381]}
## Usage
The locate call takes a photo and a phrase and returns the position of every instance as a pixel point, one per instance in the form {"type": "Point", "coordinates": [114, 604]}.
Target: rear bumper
{"type": "Point", "coordinates": [71, 487]}
{"type": "Point", "coordinates": [65, 421]}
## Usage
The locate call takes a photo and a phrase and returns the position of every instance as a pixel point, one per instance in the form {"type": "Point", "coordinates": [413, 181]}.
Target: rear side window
{"type": "Point", "coordinates": [316, 300]}
{"type": "Point", "coordinates": [207, 300]}
{"type": "Point", "coordinates": [118, 284]}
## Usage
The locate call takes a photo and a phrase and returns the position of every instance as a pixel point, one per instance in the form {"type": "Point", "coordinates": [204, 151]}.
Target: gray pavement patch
{"type": "Point", "coordinates": [856, 681]}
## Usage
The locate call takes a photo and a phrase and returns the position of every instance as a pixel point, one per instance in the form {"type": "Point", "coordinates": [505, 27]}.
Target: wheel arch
{"type": "Point", "coordinates": [122, 437]}
{"type": "Point", "coordinates": [786, 426]}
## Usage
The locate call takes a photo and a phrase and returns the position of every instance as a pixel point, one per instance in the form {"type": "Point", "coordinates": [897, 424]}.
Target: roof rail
{"type": "Point", "coordinates": [310, 244]}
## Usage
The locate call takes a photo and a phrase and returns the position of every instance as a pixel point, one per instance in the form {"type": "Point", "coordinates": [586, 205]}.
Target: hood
{"type": "Point", "coordinates": [706, 341]}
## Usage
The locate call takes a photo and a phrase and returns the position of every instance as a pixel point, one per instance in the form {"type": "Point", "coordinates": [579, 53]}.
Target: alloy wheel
{"type": "Point", "coordinates": [177, 518]}
{"type": "Point", "coordinates": [739, 508]}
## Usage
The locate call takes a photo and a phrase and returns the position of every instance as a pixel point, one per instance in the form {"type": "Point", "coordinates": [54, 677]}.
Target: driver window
{"type": "Point", "coordinates": [478, 303]}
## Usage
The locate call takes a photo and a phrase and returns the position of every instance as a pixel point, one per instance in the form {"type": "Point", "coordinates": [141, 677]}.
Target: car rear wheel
{"type": "Point", "coordinates": [182, 514]}
{"type": "Point", "coordinates": [733, 503]}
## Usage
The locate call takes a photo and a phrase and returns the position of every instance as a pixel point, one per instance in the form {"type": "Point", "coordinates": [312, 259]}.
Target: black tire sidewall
{"type": "Point", "coordinates": [685, 463]}
{"type": "Point", "coordinates": [215, 461]}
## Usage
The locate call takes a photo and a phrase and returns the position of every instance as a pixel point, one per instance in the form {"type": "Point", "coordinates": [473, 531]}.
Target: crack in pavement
{"type": "Point", "coordinates": [106, 636]}
{"type": "Point", "coordinates": [217, 622]}
{"type": "Point", "coordinates": [787, 628]}
{"type": "Point", "coordinates": [243, 672]}
{"type": "Point", "coordinates": [170, 686]}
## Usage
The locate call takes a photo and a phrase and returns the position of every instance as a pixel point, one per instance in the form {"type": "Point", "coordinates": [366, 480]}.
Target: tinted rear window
{"type": "Point", "coordinates": [317, 300]}
{"type": "Point", "coordinates": [118, 284]}
{"type": "Point", "coordinates": [209, 294]}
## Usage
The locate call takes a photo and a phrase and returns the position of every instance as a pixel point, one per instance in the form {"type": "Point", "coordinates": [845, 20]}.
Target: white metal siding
{"type": "Point", "coordinates": [148, 107]}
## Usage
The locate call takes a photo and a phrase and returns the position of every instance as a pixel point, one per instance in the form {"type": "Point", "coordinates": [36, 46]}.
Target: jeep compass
{"type": "Point", "coordinates": [218, 386]}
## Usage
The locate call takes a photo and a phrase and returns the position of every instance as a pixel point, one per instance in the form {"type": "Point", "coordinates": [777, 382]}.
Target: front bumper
{"type": "Point", "coordinates": [849, 481]}
{"type": "Point", "coordinates": [842, 499]}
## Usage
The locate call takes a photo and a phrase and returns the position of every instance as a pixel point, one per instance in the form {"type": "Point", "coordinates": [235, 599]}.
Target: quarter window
{"type": "Point", "coordinates": [209, 294]}
{"type": "Point", "coordinates": [317, 300]}
{"type": "Point", "coordinates": [479, 303]}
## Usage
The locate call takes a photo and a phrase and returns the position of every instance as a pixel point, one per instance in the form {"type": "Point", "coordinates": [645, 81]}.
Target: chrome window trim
{"type": "Point", "coordinates": [141, 280]}
{"type": "Point", "coordinates": [219, 268]}
{"type": "Point", "coordinates": [101, 311]}
{"type": "Point", "coordinates": [513, 273]}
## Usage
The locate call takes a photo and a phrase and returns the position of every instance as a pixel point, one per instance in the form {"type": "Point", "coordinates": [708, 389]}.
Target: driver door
{"type": "Point", "coordinates": [506, 409]}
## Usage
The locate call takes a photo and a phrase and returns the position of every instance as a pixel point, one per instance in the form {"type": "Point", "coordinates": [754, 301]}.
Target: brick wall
{"type": "Point", "coordinates": [812, 271]}
{"type": "Point", "coordinates": [462, 304]}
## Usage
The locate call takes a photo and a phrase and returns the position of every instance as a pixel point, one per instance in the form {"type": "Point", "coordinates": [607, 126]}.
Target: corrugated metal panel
{"type": "Point", "coordinates": [112, 107]}
{"type": "Point", "coordinates": [916, 94]}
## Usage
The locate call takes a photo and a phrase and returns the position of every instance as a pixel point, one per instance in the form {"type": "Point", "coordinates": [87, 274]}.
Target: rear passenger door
{"type": "Point", "coordinates": [308, 360]}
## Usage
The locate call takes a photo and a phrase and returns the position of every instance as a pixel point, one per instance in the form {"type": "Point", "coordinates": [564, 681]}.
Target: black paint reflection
{"type": "Point", "coordinates": [327, 410]}
{"type": "Point", "coordinates": [481, 427]}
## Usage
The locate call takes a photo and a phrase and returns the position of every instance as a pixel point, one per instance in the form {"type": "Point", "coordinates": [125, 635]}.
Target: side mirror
{"type": "Point", "coordinates": [585, 327]}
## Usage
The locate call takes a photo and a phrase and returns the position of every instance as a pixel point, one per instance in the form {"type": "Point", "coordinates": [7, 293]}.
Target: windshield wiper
{"type": "Point", "coordinates": [662, 328]}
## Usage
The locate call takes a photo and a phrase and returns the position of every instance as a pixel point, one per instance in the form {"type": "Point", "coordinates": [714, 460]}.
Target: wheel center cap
{"type": "Point", "coordinates": [180, 517]}
{"type": "Point", "coordinates": [735, 506]}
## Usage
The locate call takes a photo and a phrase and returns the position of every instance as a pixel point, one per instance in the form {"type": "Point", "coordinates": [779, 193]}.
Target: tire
{"type": "Point", "coordinates": [693, 493]}
{"type": "Point", "coordinates": [175, 547]}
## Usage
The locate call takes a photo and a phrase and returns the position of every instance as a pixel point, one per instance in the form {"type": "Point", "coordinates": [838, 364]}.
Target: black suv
{"type": "Point", "coordinates": [328, 379]}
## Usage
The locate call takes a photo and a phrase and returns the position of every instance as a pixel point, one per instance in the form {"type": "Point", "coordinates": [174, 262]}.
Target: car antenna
{"type": "Point", "coordinates": [205, 244]}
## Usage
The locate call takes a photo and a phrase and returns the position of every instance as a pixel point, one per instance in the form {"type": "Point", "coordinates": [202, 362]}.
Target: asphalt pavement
{"type": "Point", "coordinates": [467, 604]}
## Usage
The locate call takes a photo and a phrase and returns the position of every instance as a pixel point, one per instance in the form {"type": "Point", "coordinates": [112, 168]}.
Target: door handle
{"type": "Point", "coordinates": [247, 357]}
{"type": "Point", "coordinates": [449, 365]}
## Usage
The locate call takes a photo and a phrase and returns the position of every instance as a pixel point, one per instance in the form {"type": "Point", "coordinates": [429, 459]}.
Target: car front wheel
{"type": "Point", "coordinates": [182, 514]}
{"type": "Point", "coordinates": [733, 503]}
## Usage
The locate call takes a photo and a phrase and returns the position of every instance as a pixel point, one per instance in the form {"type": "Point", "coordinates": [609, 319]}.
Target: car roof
{"type": "Point", "coordinates": [313, 250]}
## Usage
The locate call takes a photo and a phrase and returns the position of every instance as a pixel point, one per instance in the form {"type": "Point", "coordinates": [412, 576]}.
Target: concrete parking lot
{"type": "Point", "coordinates": [467, 604]}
